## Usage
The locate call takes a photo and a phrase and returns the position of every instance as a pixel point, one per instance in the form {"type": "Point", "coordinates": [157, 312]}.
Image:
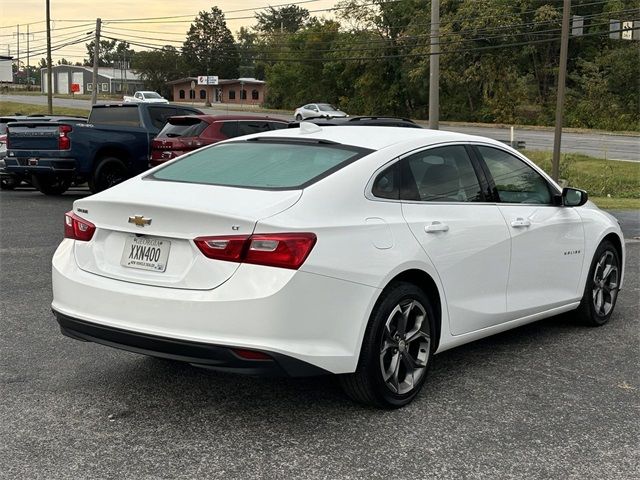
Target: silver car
{"type": "Point", "coordinates": [325, 110]}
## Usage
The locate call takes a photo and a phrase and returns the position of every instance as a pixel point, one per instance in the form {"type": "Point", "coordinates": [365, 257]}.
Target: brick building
{"type": "Point", "coordinates": [247, 91]}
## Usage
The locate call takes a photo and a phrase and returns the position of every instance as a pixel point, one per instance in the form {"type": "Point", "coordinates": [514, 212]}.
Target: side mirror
{"type": "Point", "coordinates": [572, 197]}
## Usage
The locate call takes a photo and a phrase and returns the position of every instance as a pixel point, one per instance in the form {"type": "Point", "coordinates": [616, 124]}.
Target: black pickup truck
{"type": "Point", "coordinates": [113, 145]}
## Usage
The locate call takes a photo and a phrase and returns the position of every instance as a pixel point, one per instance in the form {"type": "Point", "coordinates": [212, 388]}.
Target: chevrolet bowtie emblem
{"type": "Point", "coordinates": [139, 220]}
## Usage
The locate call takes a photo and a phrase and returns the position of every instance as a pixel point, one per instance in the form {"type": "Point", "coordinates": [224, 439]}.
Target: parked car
{"type": "Point", "coordinates": [359, 251]}
{"type": "Point", "coordinates": [318, 110]}
{"type": "Point", "coordinates": [184, 134]}
{"type": "Point", "coordinates": [8, 180]}
{"type": "Point", "coordinates": [145, 97]}
{"type": "Point", "coordinates": [359, 121]}
{"type": "Point", "coordinates": [114, 145]}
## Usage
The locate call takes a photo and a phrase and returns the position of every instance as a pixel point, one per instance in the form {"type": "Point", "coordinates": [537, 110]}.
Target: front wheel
{"type": "Point", "coordinates": [396, 349]}
{"type": "Point", "coordinates": [299, 117]}
{"type": "Point", "coordinates": [601, 290]}
{"type": "Point", "coordinates": [51, 184]}
{"type": "Point", "coordinates": [9, 183]}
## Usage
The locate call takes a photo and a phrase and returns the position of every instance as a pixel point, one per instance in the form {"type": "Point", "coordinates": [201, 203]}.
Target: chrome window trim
{"type": "Point", "coordinates": [369, 187]}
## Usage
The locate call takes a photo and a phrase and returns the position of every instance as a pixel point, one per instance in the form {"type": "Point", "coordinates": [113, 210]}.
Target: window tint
{"type": "Point", "coordinates": [515, 181]}
{"type": "Point", "coordinates": [443, 174]}
{"type": "Point", "coordinates": [278, 125]}
{"type": "Point", "coordinates": [183, 127]}
{"type": "Point", "coordinates": [160, 115]}
{"type": "Point", "coordinates": [258, 165]}
{"type": "Point", "coordinates": [121, 115]}
{"type": "Point", "coordinates": [249, 127]}
{"type": "Point", "coordinates": [387, 183]}
{"type": "Point", "coordinates": [229, 129]}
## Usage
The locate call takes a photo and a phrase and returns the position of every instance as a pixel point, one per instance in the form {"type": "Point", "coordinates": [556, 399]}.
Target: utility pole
{"type": "Point", "coordinates": [28, 66]}
{"type": "Point", "coordinates": [434, 66]}
{"type": "Point", "coordinates": [562, 76]}
{"type": "Point", "coordinates": [49, 63]}
{"type": "Point", "coordinates": [18, 38]}
{"type": "Point", "coordinates": [96, 57]}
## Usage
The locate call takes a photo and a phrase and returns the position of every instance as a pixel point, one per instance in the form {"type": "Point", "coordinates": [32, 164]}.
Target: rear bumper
{"type": "Point", "coordinates": [312, 318]}
{"type": "Point", "coordinates": [214, 357]}
{"type": "Point", "coordinates": [28, 165]}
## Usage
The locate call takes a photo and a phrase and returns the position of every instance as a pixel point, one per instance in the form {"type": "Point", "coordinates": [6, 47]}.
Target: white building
{"type": "Point", "coordinates": [6, 72]}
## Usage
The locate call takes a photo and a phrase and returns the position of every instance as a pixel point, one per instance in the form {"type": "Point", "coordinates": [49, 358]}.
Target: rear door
{"type": "Point", "coordinates": [547, 241]}
{"type": "Point", "coordinates": [465, 238]}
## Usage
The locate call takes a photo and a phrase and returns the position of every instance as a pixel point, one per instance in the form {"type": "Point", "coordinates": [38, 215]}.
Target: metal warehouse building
{"type": "Point", "coordinates": [110, 80]}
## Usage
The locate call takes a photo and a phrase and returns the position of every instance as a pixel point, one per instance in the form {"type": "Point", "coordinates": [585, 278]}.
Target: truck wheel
{"type": "Point", "coordinates": [9, 183]}
{"type": "Point", "coordinates": [51, 184]}
{"type": "Point", "coordinates": [109, 172]}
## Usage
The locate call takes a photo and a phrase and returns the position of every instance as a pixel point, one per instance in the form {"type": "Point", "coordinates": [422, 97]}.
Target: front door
{"type": "Point", "coordinates": [466, 240]}
{"type": "Point", "coordinates": [547, 241]}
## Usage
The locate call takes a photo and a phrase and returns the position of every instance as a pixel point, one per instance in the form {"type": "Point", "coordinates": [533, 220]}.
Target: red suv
{"type": "Point", "coordinates": [186, 133]}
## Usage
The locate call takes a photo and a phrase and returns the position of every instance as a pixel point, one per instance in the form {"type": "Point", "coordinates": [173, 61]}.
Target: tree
{"type": "Point", "coordinates": [287, 19]}
{"type": "Point", "coordinates": [157, 67]}
{"type": "Point", "coordinates": [210, 47]}
{"type": "Point", "coordinates": [111, 51]}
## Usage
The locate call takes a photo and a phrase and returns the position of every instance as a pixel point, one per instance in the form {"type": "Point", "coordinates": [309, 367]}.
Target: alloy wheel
{"type": "Point", "coordinates": [404, 349]}
{"type": "Point", "coordinates": [605, 284]}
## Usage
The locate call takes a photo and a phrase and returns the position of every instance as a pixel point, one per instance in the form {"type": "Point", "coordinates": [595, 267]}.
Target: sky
{"type": "Point", "coordinates": [72, 19]}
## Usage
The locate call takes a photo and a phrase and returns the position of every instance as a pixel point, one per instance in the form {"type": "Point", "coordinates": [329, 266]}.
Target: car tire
{"type": "Point", "coordinates": [8, 183]}
{"type": "Point", "coordinates": [299, 117]}
{"type": "Point", "coordinates": [601, 288]}
{"type": "Point", "coordinates": [389, 359]}
{"type": "Point", "coordinates": [51, 184]}
{"type": "Point", "coordinates": [108, 172]}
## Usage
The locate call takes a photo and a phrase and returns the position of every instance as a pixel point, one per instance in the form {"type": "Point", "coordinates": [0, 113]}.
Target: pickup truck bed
{"type": "Point", "coordinates": [112, 146]}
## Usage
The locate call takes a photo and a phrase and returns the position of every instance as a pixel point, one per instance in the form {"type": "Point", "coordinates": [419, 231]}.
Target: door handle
{"type": "Point", "coordinates": [434, 227]}
{"type": "Point", "coordinates": [520, 222]}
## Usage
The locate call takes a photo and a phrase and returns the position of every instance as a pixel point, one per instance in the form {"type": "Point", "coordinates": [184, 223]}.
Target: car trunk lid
{"type": "Point", "coordinates": [167, 216]}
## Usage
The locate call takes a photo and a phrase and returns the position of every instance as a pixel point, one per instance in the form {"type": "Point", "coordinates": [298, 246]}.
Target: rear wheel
{"type": "Point", "coordinates": [109, 172]}
{"type": "Point", "coordinates": [601, 290]}
{"type": "Point", "coordinates": [51, 184]}
{"type": "Point", "coordinates": [396, 349]}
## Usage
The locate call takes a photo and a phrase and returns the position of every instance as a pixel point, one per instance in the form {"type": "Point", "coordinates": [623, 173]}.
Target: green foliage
{"type": "Point", "coordinates": [597, 176]}
{"type": "Point", "coordinates": [288, 19]}
{"type": "Point", "coordinates": [157, 67]}
{"type": "Point", "coordinates": [499, 62]}
{"type": "Point", "coordinates": [111, 51]}
{"type": "Point", "coordinates": [210, 47]}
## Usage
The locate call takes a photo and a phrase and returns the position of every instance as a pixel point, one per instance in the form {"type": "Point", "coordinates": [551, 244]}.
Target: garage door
{"type": "Point", "coordinates": [63, 82]}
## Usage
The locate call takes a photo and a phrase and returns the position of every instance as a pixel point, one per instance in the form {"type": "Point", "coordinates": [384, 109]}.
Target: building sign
{"type": "Point", "coordinates": [207, 80]}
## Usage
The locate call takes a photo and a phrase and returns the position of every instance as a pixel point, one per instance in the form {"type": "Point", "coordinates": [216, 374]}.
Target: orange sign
{"type": "Point", "coordinates": [75, 87]}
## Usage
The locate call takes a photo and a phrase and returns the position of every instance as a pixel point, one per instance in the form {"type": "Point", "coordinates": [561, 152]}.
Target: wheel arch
{"type": "Point", "coordinates": [618, 244]}
{"type": "Point", "coordinates": [112, 151]}
{"type": "Point", "coordinates": [427, 284]}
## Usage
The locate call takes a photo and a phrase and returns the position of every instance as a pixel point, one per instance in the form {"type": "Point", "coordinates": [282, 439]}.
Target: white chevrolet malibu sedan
{"type": "Point", "coordinates": [358, 251]}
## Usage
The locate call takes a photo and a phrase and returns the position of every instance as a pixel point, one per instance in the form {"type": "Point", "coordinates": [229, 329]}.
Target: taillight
{"type": "Point", "coordinates": [64, 142]}
{"type": "Point", "coordinates": [284, 250]}
{"type": "Point", "coordinates": [78, 228]}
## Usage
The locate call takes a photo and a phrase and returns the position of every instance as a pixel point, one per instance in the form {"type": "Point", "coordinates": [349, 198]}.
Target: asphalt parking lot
{"type": "Point", "coordinates": [548, 400]}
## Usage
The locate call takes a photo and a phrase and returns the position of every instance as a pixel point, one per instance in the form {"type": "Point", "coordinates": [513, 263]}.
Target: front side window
{"type": "Point", "coordinates": [515, 181]}
{"type": "Point", "coordinates": [442, 174]}
{"type": "Point", "coordinates": [259, 164]}
{"type": "Point", "coordinates": [249, 127]}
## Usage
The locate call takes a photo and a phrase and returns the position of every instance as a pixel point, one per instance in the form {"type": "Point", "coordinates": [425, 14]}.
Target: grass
{"type": "Point", "coordinates": [610, 183]}
{"type": "Point", "coordinates": [11, 108]}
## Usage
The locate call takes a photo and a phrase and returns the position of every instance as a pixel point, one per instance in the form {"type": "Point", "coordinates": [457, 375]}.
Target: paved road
{"type": "Point", "coordinates": [614, 147]}
{"type": "Point", "coordinates": [549, 400]}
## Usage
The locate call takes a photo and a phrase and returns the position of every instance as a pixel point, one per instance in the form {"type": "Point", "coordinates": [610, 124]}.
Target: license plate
{"type": "Point", "coordinates": [146, 253]}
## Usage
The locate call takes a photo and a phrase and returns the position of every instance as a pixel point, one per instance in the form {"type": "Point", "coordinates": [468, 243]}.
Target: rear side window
{"type": "Point", "coordinates": [262, 165]}
{"type": "Point", "coordinates": [443, 174]}
{"type": "Point", "coordinates": [249, 127]}
{"type": "Point", "coordinates": [128, 116]}
{"type": "Point", "coordinates": [229, 129]}
{"type": "Point", "coordinates": [183, 127]}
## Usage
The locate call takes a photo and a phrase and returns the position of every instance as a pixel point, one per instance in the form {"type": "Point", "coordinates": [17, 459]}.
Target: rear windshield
{"type": "Point", "coordinates": [116, 115]}
{"type": "Point", "coordinates": [183, 127]}
{"type": "Point", "coordinates": [260, 164]}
